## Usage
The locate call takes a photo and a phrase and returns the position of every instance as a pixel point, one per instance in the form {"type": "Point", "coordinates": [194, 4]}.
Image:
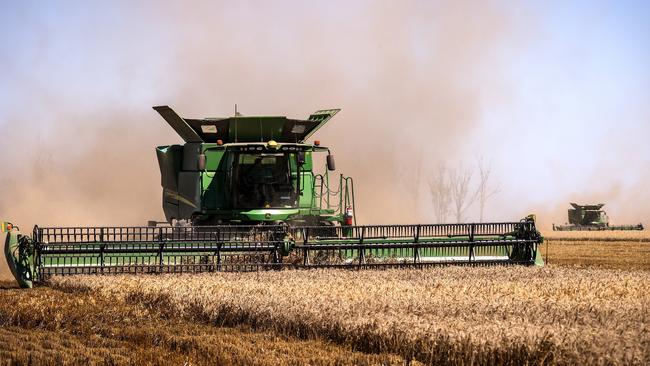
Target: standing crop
{"type": "Point", "coordinates": [437, 316]}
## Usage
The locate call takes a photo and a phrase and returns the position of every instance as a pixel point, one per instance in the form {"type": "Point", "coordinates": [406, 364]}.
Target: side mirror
{"type": "Point", "coordinates": [301, 157]}
{"type": "Point", "coordinates": [331, 165]}
{"type": "Point", "coordinates": [201, 164]}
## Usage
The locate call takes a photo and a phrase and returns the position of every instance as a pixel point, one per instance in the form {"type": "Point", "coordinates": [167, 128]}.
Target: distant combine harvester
{"type": "Point", "coordinates": [591, 217]}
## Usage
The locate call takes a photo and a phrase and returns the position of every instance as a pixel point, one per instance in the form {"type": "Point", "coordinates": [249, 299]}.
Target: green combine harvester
{"type": "Point", "coordinates": [242, 194]}
{"type": "Point", "coordinates": [591, 218]}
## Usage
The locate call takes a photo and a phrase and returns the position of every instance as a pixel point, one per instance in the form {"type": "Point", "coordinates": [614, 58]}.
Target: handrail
{"type": "Point", "coordinates": [326, 196]}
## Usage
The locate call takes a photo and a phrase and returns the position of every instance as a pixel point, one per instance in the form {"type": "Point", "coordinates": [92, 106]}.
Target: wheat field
{"type": "Point", "coordinates": [598, 249]}
{"type": "Point", "coordinates": [588, 306]}
{"type": "Point", "coordinates": [599, 235]}
{"type": "Point", "coordinates": [506, 316]}
{"type": "Point", "coordinates": [47, 326]}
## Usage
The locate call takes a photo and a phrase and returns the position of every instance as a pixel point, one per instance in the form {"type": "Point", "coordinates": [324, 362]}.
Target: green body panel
{"type": "Point", "coordinates": [539, 260]}
{"type": "Point", "coordinates": [213, 180]}
{"type": "Point", "coordinates": [20, 258]}
{"type": "Point", "coordinates": [256, 129]}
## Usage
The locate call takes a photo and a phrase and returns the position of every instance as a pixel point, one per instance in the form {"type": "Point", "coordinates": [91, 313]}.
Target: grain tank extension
{"type": "Point", "coordinates": [244, 193]}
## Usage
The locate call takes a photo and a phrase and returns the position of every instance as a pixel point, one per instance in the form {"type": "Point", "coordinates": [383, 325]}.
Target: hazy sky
{"type": "Point", "coordinates": [554, 94]}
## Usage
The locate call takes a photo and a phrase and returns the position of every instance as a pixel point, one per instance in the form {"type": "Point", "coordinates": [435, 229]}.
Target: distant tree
{"type": "Point", "coordinates": [484, 191]}
{"type": "Point", "coordinates": [440, 191]}
{"type": "Point", "coordinates": [409, 175]}
{"type": "Point", "coordinates": [417, 178]}
{"type": "Point", "coordinates": [459, 182]}
{"type": "Point", "coordinates": [452, 193]}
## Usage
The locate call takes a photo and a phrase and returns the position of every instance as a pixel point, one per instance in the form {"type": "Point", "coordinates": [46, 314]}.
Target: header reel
{"type": "Point", "coordinates": [52, 251]}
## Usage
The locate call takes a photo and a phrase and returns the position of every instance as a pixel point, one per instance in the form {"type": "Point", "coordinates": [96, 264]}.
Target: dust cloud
{"type": "Point", "coordinates": [622, 205]}
{"type": "Point", "coordinates": [410, 80]}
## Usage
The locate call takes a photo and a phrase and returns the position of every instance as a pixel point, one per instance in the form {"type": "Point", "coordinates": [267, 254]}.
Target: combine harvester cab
{"type": "Point", "coordinates": [241, 194]}
{"type": "Point", "coordinates": [245, 170]}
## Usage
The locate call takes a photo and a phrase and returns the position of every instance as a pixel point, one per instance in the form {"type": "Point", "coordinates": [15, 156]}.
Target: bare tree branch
{"type": "Point", "coordinates": [484, 192]}
{"type": "Point", "coordinates": [459, 180]}
{"type": "Point", "coordinates": [440, 194]}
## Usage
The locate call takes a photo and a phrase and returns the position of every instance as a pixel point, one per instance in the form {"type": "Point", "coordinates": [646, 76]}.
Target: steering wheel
{"type": "Point", "coordinates": [247, 181]}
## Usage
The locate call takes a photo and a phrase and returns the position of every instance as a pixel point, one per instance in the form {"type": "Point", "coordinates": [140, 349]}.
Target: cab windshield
{"type": "Point", "coordinates": [264, 180]}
